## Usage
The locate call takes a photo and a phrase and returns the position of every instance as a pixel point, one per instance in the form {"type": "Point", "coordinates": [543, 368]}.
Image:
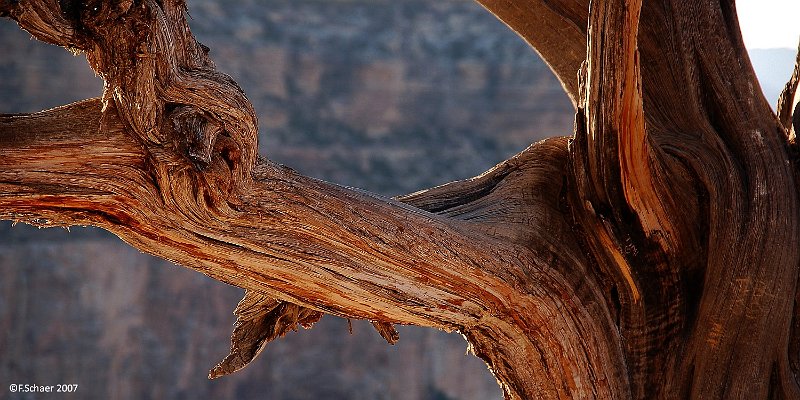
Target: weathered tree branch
{"type": "Point", "coordinates": [334, 249]}
{"type": "Point", "coordinates": [611, 152]}
{"type": "Point", "coordinates": [72, 169]}
{"type": "Point", "coordinates": [740, 156]}
{"type": "Point", "coordinates": [703, 135]}
{"type": "Point", "coordinates": [633, 262]}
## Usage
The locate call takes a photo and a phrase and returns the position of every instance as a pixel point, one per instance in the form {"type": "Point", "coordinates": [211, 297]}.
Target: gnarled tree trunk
{"type": "Point", "coordinates": [652, 254]}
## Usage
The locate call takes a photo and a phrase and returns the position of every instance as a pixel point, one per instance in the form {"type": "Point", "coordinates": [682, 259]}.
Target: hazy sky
{"type": "Point", "coordinates": [769, 23]}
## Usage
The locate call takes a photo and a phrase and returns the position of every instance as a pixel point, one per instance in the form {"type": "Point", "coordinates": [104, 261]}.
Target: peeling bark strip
{"type": "Point", "coordinates": [789, 102]}
{"type": "Point", "coordinates": [611, 149]}
{"type": "Point", "coordinates": [260, 320]}
{"type": "Point", "coordinates": [652, 255]}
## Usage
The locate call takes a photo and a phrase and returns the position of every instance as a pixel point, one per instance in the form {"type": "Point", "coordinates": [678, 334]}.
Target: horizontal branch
{"type": "Point", "coordinates": [288, 235]}
{"type": "Point", "coordinates": [171, 168]}
{"type": "Point", "coordinates": [331, 248]}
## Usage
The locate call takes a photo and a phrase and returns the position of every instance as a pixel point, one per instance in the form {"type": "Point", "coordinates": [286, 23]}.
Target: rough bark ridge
{"type": "Point", "coordinates": [652, 254]}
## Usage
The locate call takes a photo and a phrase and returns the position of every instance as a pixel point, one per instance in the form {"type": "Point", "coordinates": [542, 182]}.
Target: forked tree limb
{"type": "Point", "coordinates": [705, 138]}
{"type": "Point", "coordinates": [633, 262]}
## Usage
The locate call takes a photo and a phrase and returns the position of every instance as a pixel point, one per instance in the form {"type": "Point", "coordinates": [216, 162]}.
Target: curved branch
{"type": "Point", "coordinates": [556, 29]}
{"type": "Point", "coordinates": [157, 76]}
{"type": "Point", "coordinates": [622, 203]}
{"type": "Point", "coordinates": [45, 21]}
{"type": "Point", "coordinates": [664, 223]}
{"type": "Point", "coordinates": [338, 250]}
{"type": "Point", "coordinates": [611, 152]}
{"type": "Point", "coordinates": [712, 120]}
{"type": "Point", "coordinates": [173, 172]}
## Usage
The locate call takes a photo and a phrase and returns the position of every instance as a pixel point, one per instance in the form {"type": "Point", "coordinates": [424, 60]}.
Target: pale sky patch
{"type": "Point", "coordinates": [769, 23]}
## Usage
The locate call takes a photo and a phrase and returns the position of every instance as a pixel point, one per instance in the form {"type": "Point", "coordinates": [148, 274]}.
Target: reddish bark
{"type": "Point", "coordinates": [652, 254]}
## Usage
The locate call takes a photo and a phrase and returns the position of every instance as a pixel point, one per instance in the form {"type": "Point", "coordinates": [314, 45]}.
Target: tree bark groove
{"type": "Point", "coordinates": [652, 254]}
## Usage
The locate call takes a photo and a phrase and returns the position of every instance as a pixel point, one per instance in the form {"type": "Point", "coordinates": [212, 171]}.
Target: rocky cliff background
{"type": "Point", "coordinates": [389, 96]}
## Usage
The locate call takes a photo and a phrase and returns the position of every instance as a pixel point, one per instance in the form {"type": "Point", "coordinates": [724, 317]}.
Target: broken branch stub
{"type": "Point", "coordinates": [260, 320]}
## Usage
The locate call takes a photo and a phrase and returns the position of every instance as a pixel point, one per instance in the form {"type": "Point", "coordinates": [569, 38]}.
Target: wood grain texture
{"type": "Point", "coordinates": [333, 249]}
{"type": "Point", "coordinates": [651, 255]}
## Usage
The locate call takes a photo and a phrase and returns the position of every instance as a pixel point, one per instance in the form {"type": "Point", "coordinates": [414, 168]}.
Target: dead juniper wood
{"type": "Point", "coordinates": [651, 254]}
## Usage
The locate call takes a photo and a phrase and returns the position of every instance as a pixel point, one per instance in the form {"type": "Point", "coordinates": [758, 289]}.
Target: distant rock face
{"type": "Point", "coordinates": [390, 96]}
